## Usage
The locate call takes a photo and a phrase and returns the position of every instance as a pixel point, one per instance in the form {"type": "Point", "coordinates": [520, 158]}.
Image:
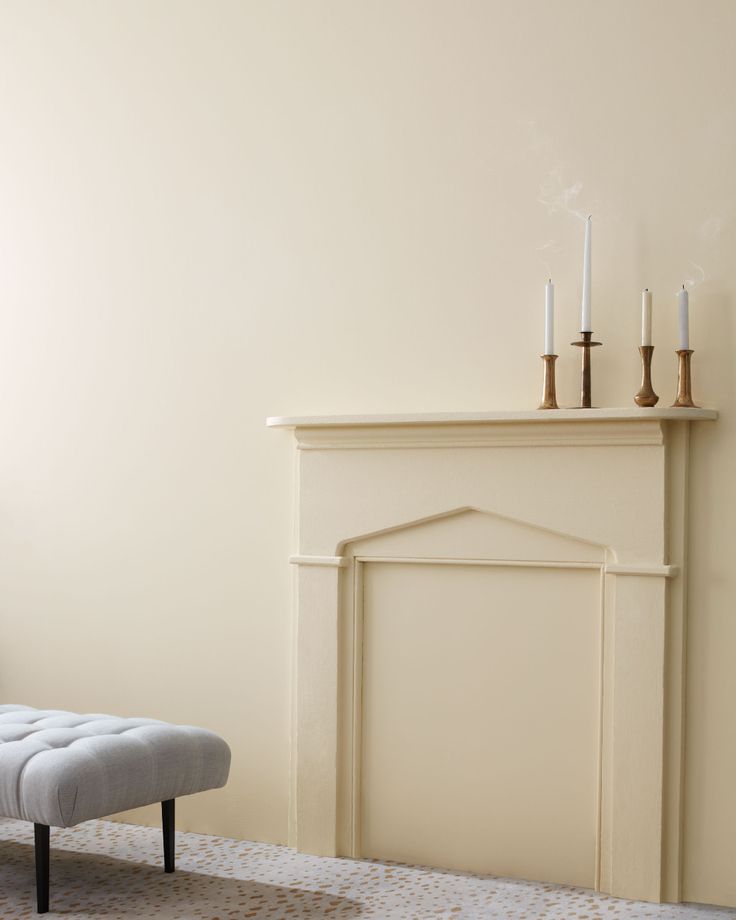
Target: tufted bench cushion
{"type": "Point", "coordinates": [59, 768]}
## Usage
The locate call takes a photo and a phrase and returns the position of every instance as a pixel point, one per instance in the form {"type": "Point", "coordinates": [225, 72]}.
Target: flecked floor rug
{"type": "Point", "coordinates": [101, 869]}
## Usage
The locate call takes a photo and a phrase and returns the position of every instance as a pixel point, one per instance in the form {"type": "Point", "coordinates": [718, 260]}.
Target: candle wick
{"type": "Point", "coordinates": [646, 289]}
{"type": "Point", "coordinates": [549, 281]}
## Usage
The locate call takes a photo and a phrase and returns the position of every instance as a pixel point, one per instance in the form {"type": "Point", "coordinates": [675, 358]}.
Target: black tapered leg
{"type": "Point", "coordinates": [167, 816]}
{"type": "Point", "coordinates": [41, 837]}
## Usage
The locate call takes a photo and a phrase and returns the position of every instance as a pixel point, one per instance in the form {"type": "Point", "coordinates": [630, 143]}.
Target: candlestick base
{"type": "Point", "coordinates": [646, 397]}
{"type": "Point", "coordinates": [549, 393]}
{"type": "Point", "coordinates": [585, 377]}
{"type": "Point", "coordinates": [684, 385]}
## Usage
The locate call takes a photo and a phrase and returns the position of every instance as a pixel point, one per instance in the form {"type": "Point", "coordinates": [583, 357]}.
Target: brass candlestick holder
{"type": "Point", "coordinates": [549, 392]}
{"type": "Point", "coordinates": [684, 386]}
{"type": "Point", "coordinates": [586, 344]}
{"type": "Point", "coordinates": [646, 395]}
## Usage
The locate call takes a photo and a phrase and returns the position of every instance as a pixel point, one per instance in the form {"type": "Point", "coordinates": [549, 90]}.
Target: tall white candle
{"type": "Point", "coordinates": [549, 318]}
{"type": "Point", "coordinates": [586, 325]}
{"type": "Point", "coordinates": [683, 303]}
{"type": "Point", "coordinates": [646, 317]}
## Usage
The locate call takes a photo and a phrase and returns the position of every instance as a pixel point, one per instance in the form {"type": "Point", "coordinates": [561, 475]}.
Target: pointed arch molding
{"type": "Point", "coordinates": [602, 492]}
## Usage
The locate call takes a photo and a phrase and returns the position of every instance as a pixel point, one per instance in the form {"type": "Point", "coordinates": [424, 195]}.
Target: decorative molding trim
{"type": "Point", "coordinates": [405, 527]}
{"type": "Point", "coordinates": [357, 714]}
{"type": "Point", "coordinates": [657, 571]}
{"type": "Point", "coordinates": [619, 433]}
{"type": "Point", "coordinates": [334, 561]}
{"type": "Point", "coordinates": [498, 563]}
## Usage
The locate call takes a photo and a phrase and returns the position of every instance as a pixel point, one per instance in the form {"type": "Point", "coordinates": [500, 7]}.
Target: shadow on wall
{"type": "Point", "coordinates": [85, 885]}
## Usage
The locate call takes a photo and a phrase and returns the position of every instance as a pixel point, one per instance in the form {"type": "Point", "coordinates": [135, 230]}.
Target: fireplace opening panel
{"type": "Point", "coordinates": [479, 718]}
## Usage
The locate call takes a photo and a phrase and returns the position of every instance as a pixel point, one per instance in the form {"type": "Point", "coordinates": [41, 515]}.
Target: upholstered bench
{"type": "Point", "coordinates": [58, 769]}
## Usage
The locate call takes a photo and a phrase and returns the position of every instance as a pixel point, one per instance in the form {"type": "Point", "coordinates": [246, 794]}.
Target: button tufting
{"type": "Point", "coordinates": [60, 768]}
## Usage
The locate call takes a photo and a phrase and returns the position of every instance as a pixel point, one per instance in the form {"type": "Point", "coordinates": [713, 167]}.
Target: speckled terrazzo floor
{"type": "Point", "coordinates": [101, 869]}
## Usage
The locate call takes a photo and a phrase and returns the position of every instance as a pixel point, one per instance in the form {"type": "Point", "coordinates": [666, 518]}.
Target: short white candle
{"type": "Point", "coordinates": [586, 324]}
{"type": "Point", "coordinates": [683, 303]}
{"type": "Point", "coordinates": [549, 318]}
{"type": "Point", "coordinates": [646, 317]}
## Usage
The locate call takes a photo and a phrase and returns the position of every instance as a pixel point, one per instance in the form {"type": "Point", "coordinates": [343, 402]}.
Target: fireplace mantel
{"type": "Point", "coordinates": [497, 416]}
{"type": "Point", "coordinates": [598, 490]}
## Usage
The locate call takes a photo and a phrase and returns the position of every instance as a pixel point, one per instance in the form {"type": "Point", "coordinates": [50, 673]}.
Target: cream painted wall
{"type": "Point", "coordinates": [210, 212]}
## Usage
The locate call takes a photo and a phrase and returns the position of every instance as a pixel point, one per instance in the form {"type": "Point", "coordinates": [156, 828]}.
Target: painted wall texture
{"type": "Point", "coordinates": [211, 212]}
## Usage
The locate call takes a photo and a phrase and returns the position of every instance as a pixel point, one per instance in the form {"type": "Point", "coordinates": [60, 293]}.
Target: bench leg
{"type": "Point", "coordinates": [167, 816]}
{"type": "Point", "coordinates": [41, 837]}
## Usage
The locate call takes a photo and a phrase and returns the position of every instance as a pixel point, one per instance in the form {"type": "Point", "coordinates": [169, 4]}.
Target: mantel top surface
{"type": "Point", "coordinates": [469, 418]}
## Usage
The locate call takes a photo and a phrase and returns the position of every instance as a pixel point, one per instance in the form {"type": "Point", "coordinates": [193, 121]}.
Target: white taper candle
{"type": "Point", "coordinates": [549, 318]}
{"type": "Point", "coordinates": [646, 317]}
{"type": "Point", "coordinates": [586, 323]}
{"type": "Point", "coordinates": [683, 303]}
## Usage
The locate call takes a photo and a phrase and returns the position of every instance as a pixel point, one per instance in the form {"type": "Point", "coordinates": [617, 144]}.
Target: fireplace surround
{"type": "Point", "coordinates": [598, 492]}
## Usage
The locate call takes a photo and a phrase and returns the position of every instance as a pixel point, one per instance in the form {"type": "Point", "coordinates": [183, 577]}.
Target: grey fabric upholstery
{"type": "Point", "coordinates": [60, 768]}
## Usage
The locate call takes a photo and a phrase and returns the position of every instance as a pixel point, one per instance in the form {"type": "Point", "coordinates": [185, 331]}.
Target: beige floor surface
{"type": "Point", "coordinates": [101, 869]}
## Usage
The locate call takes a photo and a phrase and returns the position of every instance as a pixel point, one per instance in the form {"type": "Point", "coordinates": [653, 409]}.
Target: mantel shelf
{"type": "Point", "coordinates": [506, 417]}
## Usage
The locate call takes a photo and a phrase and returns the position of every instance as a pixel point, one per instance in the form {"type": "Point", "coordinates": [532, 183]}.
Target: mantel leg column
{"type": "Point", "coordinates": [633, 796]}
{"type": "Point", "coordinates": [317, 712]}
